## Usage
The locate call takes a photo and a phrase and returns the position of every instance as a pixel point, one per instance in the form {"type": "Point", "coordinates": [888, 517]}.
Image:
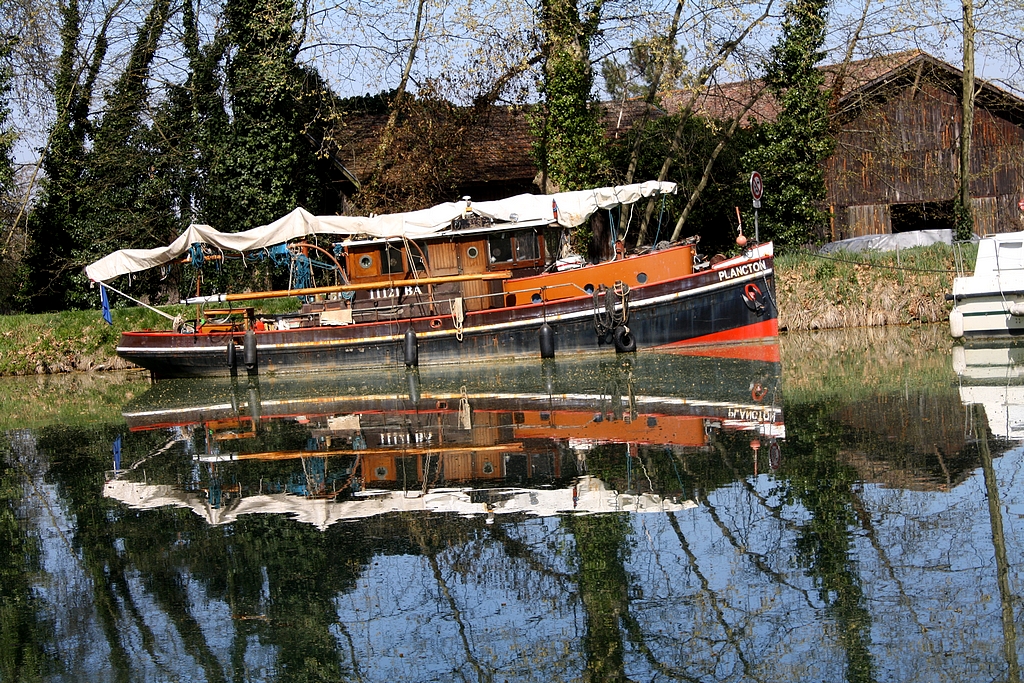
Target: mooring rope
{"type": "Point", "coordinates": [131, 298]}
{"type": "Point", "coordinates": [458, 316]}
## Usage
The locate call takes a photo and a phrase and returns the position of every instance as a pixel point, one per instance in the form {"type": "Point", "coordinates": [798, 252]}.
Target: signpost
{"type": "Point", "coordinates": [756, 190]}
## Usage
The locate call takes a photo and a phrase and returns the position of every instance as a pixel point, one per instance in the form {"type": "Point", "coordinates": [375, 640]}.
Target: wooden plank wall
{"type": "Point", "coordinates": [870, 219]}
{"type": "Point", "coordinates": [903, 149]}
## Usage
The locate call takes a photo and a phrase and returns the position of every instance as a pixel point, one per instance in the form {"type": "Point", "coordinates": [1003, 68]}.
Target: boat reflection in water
{"type": "Point", "coordinates": [992, 389]}
{"type": "Point", "coordinates": [992, 375]}
{"type": "Point", "coordinates": [469, 440]}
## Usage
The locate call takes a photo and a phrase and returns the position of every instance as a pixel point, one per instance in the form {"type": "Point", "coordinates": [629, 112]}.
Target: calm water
{"type": "Point", "coordinates": [842, 507]}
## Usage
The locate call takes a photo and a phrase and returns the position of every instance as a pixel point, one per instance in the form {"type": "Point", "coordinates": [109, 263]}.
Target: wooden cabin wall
{"type": "Point", "coordinates": [903, 148]}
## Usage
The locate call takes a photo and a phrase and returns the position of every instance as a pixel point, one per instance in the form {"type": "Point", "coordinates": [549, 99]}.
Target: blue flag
{"type": "Point", "coordinates": [106, 305]}
{"type": "Point", "coordinates": [117, 453]}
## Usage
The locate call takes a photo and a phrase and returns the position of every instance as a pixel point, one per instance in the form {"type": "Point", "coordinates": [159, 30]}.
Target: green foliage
{"type": "Point", "coordinates": [265, 166]}
{"type": "Point", "coordinates": [569, 140]}
{"type": "Point", "coordinates": [138, 173]}
{"type": "Point", "coordinates": [714, 215]}
{"type": "Point", "coordinates": [104, 187]}
{"type": "Point", "coordinates": [12, 269]}
{"type": "Point", "coordinates": [792, 148]}
{"type": "Point", "coordinates": [826, 271]}
{"type": "Point", "coordinates": [963, 221]}
{"type": "Point", "coordinates": [7, 134]}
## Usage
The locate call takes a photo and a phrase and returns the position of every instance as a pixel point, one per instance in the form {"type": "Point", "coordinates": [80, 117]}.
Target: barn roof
{"type": "Point", "coordinates": [856, 82]}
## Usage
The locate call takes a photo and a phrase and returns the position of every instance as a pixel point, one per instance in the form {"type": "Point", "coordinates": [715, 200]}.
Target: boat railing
{"type": "Point", "coordinates": [962, 257]}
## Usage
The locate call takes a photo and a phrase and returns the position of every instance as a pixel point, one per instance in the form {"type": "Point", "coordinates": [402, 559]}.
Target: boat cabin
{"type": "Point", "coordinates": [475, 266]}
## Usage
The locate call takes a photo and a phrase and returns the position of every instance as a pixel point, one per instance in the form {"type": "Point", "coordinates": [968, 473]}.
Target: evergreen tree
{"type": "Point", "coordinates": [652, 64]}
{"type": "Point", "coordinates": [103, 190]}
{"type": "Point", "coordinates": [12, 270]}
{"type": "Point", "coordinates": [265, 166]}
{"type": "Point", "coordinates": [54, 218]}
{"type": "Point", "coordinates": [7, 134]}
{"type": "Point", "coordinates": [793, 147]}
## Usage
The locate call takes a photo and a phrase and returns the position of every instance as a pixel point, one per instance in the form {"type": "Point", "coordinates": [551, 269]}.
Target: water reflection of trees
{"type": "Point", "coordinates": [24, 633]}
{"type": "Point", "coordinates": [770, 578]}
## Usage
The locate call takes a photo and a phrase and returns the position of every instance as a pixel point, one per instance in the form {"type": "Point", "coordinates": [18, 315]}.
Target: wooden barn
{"type": "Point", "coordinates": [894, 169]}
{"type": "Point", "coordinates": [896, 162]}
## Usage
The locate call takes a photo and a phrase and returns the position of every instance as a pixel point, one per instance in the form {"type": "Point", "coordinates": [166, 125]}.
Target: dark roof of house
{"type": "Point", "coordinates": [496, 141]}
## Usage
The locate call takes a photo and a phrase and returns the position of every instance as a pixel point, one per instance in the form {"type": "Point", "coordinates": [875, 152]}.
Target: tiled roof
{"type": "Point", "coordinates": [495, 141]}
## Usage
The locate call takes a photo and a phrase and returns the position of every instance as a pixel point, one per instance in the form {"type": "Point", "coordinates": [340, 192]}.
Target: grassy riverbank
{"type": "Point", "coordinates": [817, 292]}
{"type": "Point", "coordinates": [814, 293]}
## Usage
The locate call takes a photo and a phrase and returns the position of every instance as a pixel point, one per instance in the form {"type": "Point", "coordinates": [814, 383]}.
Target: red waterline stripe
{"type": "Point", "coordinates": [747, 333]}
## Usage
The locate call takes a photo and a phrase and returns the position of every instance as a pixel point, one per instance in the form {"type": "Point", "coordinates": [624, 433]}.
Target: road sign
{"type": "Point", "coordinates": [755, 186]}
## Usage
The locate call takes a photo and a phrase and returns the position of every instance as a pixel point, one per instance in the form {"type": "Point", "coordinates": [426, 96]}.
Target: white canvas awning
{"type": "Point", "coordinates": [573, 208]}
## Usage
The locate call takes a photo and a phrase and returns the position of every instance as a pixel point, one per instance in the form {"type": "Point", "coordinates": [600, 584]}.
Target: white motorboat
{"type": "Point", "coordinates": [990, 303]}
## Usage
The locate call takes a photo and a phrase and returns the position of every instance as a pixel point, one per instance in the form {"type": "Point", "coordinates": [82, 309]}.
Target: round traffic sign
{"type": "Point", "coordinates": [756, 188]}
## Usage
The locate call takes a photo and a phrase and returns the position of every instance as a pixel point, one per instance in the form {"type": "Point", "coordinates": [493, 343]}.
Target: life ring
{"type": "Point", "coordinates": [623, 339]}
{"type": "Point", "coordinates": [753, 298]}
{"type": "Point", "coordinates": [758, 391]}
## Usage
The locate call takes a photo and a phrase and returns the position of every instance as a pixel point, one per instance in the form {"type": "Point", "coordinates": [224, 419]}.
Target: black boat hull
{"type": "Point", "coordinates": [709, 307]}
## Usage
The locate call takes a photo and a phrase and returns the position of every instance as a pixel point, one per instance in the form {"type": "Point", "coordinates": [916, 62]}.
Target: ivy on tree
{"type": "Point", "coordinates": [793, 147]}
{"type": "Point", "coordinates": [569, 141]}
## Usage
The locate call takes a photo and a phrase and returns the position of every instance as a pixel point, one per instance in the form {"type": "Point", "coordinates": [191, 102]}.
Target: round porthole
{"type": "Point", "coordinates": [365, 262]}
{"type": "Point", "coordinates": [472, 252]}
{"type": "Point", "coordinates": [535, 298]}
{"type": "Point", "coordinates": [488, 468]}
{"type": "Point", "coordinates": [381, 472]}
{"type": "Point", "coordinates": [589, 289]}
{"type": "Point", "coordinates": [641, 277]}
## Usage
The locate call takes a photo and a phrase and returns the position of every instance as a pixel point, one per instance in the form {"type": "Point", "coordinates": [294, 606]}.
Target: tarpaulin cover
{"type": "Point", "coordinates": [568, 209]}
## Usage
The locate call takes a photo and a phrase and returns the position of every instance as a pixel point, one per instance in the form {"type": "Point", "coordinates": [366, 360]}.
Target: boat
{"type": "Point", "coordinates": [474, 440]}
{"type": "Point", "coordinates": [990, 303]}
{"type": "Point", "coordinates": [459, 282]}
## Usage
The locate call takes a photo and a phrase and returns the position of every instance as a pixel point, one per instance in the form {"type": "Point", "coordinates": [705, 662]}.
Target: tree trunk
{"type": "Point", "coordinates": [652, 93]}
{"type": "Point", "coordinates": [702, 78]}
{"type": "Point", "coordinates": [965, 219]}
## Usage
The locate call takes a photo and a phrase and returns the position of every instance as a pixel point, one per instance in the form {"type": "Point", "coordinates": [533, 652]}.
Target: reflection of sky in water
{"type": "Point", "coordinates": [405, 625]}
{"type": "Point", "coordinates": [718, 592]}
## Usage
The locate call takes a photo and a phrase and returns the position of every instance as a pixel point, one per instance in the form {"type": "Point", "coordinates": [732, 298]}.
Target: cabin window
{"type": "Point", "coordinates": [391, 260]}
{"type": "Point", "coordinates": [365, 261]}
{"type": "Point", "coordinates": [1010, 255]}
{"type": "Point", "coordinates": [416, 263]}
{"type": "Point", "coordinates": [500, 247]}
{"type": "Point", "coordinates": [472, 252]}
{"type": "Point", "coordinates": [526, 246]}
{"type": "Point", "coordinates": [516, 246]}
